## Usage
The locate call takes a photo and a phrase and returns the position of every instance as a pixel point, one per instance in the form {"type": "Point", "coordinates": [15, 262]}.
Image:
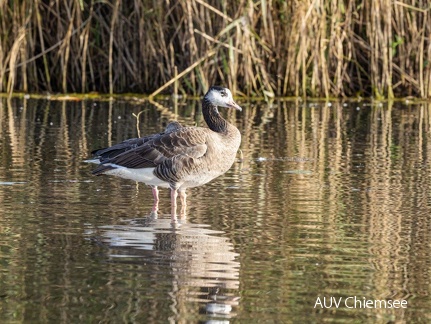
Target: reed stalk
{"type": "Point", "coordinates": [379, 48]}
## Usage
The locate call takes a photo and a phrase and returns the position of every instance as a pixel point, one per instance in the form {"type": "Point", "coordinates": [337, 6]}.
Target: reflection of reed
{"type": "Point", "coordinates": [17, 134]}
{"type": "Point", "coordinates": [347, 186]}
{"type": "Point", "coordinates": [386, 193]}
{"type": "Point", "coordinates": [363, 172]}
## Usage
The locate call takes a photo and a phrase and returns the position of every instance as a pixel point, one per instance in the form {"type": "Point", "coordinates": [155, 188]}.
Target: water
{"type": "Point", "coordinates": [328, 200]}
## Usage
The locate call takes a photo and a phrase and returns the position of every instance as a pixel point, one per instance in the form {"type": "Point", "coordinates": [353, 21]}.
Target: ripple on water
{"type": "Point", "coordinates": [329, 201]}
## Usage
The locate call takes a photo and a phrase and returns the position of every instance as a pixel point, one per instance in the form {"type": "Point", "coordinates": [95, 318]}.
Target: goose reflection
{"type": "Point", "coordinates": [200, 263]}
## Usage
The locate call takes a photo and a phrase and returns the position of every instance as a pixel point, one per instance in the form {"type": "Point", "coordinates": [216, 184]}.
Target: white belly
{"type": "Point", "coordinates": [196, 180]}
{"type": "Point", "coordinates": [144, 175]}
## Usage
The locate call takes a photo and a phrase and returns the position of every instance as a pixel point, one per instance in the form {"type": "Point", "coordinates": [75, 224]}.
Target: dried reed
{"type": "Point", "coordinates": [379, 48]}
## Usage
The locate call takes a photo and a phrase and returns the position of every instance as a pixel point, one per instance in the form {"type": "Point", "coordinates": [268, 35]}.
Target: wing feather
{"type": "Point", "coordinates": [170, 153]}
{"type": "Point", "coordinates": [132, 143]}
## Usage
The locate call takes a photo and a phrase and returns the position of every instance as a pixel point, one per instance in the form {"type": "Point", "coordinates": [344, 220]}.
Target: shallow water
{"type": "Point", "coordinates": [328, 200]}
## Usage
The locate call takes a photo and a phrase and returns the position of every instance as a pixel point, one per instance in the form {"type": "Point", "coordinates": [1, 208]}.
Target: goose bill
{"type": "Point", "coordinates": [234, 105]}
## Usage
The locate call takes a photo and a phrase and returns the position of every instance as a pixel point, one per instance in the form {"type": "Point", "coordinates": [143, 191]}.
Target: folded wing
{"type": "Point", "coordinates": [172, 154]}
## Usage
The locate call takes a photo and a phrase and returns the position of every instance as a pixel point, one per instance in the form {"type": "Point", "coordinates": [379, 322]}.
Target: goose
{"type": "Point", "coordinates": [180, 157]}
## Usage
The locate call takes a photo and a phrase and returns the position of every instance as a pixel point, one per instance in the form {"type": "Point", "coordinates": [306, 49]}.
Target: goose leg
{"type": "Point", "coordinates": [155, 191]}
{"type": "Point", "coordinates": [183, 197]}
{"type": "Point", "coordinates": [174, 195]}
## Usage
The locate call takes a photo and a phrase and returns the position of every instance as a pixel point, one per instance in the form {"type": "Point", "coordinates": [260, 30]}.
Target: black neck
{"type": "Point", "coordinates": [213, 118]}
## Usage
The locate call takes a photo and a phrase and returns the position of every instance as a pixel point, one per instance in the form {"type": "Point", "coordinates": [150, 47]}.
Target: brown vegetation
{"type": "Point", "coordinates": [314, 48]}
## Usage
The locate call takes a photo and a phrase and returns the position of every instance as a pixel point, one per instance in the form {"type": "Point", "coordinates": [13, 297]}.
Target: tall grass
{"type": "Point", "coordinates": [379, 48]}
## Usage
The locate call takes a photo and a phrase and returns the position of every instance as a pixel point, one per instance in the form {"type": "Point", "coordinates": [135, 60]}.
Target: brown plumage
{"type": "Point", "coordinates": [131, 143]}
{"type": "Point", "coordinates": [180, 157]}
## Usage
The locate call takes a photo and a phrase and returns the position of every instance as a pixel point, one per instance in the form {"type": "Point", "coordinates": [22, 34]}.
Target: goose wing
{"type": "Point", "coordinates": [169, 153]}
{"type": "Point", "coordinates": [107, 153]}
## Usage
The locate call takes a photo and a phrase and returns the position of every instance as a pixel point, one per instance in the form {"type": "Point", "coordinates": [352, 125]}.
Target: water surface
{"type": "Point", "coordinates": [328, 200]}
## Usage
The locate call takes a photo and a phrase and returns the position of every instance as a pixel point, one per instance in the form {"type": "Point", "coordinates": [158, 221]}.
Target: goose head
{"type": "Point", "coordinates": [221, 97]}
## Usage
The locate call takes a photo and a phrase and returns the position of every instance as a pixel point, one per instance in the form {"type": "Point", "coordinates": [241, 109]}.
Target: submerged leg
{"type": "Point", "coordinates": [155, 191]}
{"type": "Point", "coordinates": [183, 197]}
{"type": "Point", "coordinates": [174, 195]}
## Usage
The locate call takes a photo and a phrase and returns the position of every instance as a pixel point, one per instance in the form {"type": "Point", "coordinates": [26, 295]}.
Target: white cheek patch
{"type": "Point", "coordinates": [216, 98]}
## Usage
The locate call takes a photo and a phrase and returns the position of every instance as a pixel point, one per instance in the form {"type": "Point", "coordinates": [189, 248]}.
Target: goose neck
{"type": "Point", "coordinates": [213, 118]}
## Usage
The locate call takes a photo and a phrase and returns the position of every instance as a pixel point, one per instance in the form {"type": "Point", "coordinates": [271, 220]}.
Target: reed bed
{"type": "Point", "coordinates": [337, 48]}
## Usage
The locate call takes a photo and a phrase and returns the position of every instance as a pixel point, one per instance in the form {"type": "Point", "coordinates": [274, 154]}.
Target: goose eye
{"type": "Point", "coordinates": [223, 94]}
